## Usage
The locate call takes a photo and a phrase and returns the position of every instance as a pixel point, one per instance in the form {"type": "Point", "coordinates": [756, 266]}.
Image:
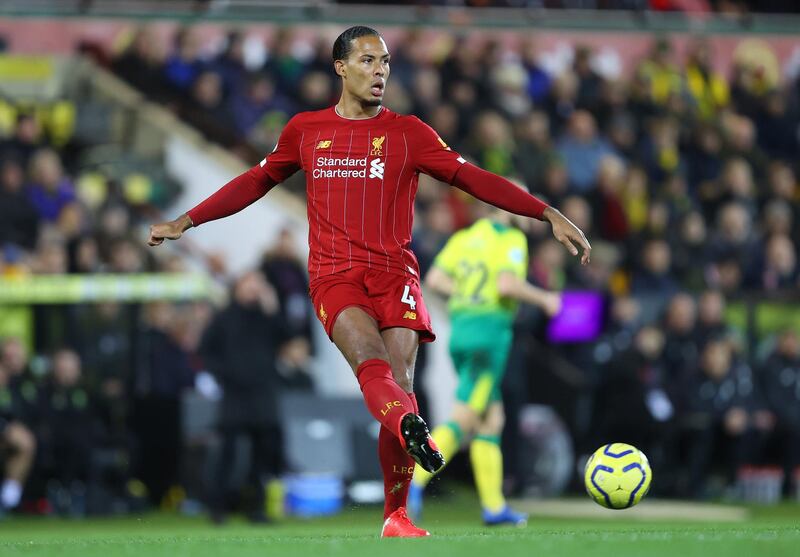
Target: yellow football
{"type": "Point", "coordinates": [617, 476]}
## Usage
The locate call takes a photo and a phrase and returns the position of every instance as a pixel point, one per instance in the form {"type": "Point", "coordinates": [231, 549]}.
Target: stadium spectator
{"type": "Point", "coordinates": [659, 73]}
{"type": "Point", "coordinates": [25, 141]}
{"type": "Point", "coordinates": [534, 154]}
{"type": "Point", "coordinates": [162, 372]}
{"type": "Point", "coordinates": [582, 149]}
{"type": "Point", "coordinates": [703, 158]}
{"type": "Point", "coordinates": [230, 64]}
{"type": "Point", "coordinates": [721, 417]}
{"type": "Point", "coordinates": [734, 238]}
{"type": "Point", "coordinates": [780, 270]}
{"type": "Point", "coordinates": [681, 349]}
{"type": "Point", "coordinates": [105, 345]}
{"type": "Point", "coordinates": [776, 125]}
{"type": "Point", "coordinates": [142, 64]}
{"type": "Point", "coordinates": [239, 348]}
{"type": "Point", "coordinates": [690, 251]}
{"type": "Point", "coordinates": [67, 429]}
{"type": "Point", "coordinates": [590, 84]}
{"type": "Point", "coordinates": [708, 89]}
{"type": "Point", "coordinates": [282, 65]}
{"type": "Point", "coordinates": [539, 81]}
{"type": "Point", "coordinates": [283, 268]}
{"type": "Point", "coordinates": [23, 386]}
{"type": "Point", "coordinates": [19, 221]}
{"type": "Point", "coordinates": [18, 441]}
{"type": "Point", "coordinates": [257, 99]}
{"type": "Point", "coordinates": [492, 143]}
{"type": "Point", "coordinates": [207, 111]}
{"type": "Point", "coordinates": [711, 317]}
{"type": "Point", "coordinates": [636, 378]}
{"type": "Point", "coordinates": [184, 65]}
{"type": "Point", "coordinates": [606, 199]}
{"type": "Point", "coordinates": [654, 274]}
{"type": "Point", "coordinates": [49, 190]}
{"type": "Point", "coordinates": [18, 404]}
{"type": "Point", "coordinates": [780, 376]}
{"type": "Point", "coordinates": [562, 101]}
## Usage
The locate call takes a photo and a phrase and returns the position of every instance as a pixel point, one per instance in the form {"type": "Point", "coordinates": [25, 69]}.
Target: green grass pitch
{"type": "Point", "coordinates": [772, 532]}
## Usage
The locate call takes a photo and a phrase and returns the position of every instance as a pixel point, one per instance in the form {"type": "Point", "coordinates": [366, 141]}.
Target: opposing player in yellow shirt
{"type": "Point", "coordinates": [482, 269]}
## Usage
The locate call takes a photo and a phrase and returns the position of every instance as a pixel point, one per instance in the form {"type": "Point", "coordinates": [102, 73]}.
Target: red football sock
{"type": "Point", "coordinates": [398, 468]}
{"type": "Point", "coordinates": [383, 396]}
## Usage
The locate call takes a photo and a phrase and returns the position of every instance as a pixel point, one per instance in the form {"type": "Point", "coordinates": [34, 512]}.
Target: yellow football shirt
{"type": "Point", "coordinates": [474, 258]}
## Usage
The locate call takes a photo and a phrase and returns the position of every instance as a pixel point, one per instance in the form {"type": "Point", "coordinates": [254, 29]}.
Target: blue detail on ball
{"type": "Point", "coordinates": [598, 468]}
{"type": "Point", "coordinates": [607, 452]}
{"type": "Point", "coordinates": [631, 466]}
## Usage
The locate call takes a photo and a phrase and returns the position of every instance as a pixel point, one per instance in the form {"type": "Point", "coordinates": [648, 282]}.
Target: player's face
{"type": "Point", "coordinates": [366, 70]}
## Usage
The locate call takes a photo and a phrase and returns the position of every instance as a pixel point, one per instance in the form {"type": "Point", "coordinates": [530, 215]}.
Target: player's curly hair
{"type": "Point", "coordinates": [343, 44]}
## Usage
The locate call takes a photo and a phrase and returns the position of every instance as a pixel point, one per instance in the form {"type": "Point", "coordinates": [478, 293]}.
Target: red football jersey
{"type": "Point", "coordinates": [361, 179]}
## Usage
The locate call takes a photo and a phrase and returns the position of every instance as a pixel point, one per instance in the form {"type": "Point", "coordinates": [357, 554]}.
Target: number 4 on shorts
{"type": "Point", "coordinates": [408, 298]}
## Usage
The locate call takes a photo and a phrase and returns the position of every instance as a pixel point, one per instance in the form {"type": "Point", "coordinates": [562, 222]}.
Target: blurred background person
{"type": "Point", "coordinates": [240, 348]}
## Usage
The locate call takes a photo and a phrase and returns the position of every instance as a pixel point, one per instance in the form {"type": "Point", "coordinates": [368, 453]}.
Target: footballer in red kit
{"type": "Point", "coordinates": [362, 163]}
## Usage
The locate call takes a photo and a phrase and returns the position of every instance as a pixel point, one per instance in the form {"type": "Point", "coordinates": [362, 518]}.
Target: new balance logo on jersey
{"type": "Point", "coordinates": [410, 315]}
{"type": "Point", "coordinates": [324, 144]}
{"type": "Point", "coordinates": [376, 169]}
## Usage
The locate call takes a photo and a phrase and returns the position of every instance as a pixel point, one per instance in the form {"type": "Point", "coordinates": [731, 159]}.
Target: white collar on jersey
{"type": "Point", "coordinates": [336, 110]}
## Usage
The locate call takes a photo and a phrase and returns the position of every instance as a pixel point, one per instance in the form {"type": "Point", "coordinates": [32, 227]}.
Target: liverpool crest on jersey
{"type": "Point", "coordinates": [377, 146]}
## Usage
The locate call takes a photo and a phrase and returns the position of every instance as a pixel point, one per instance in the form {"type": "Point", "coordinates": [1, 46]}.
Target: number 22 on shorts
{"type": "Point", "coordinates": [408, 298]}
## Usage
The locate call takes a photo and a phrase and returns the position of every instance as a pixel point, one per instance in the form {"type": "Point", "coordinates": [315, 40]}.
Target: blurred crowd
{"type": "Point", "coordinates": [684, 180]}
{"type": "Point", "coordinates": [90, 394]}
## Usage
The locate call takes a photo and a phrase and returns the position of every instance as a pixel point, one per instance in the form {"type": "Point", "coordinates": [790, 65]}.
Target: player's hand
{"type": "Point", "coordinates": [551, 303]}
{"type": "Point", "coordinates": [568, 234]}
{"type": "Point", "coordinates": [171, 230]}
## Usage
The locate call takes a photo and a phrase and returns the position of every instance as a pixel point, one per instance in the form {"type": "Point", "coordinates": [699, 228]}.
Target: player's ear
{"type": "Point", "coordinates": [340, 68]}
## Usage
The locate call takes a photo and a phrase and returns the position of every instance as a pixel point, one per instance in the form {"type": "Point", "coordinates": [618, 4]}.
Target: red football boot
{"type": "Point", "coordinates": [398, 525]}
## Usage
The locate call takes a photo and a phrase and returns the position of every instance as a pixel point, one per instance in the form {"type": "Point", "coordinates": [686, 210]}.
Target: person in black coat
{"type": "Point", "coordinates": [19, 222]}
{"type": "Point", "coordinates": [725, 419]}
{"type": "Point", "coordinates": [67, 429]}
{"type": "Point", "coordinates": [240, 348]}
{"type": "Point", "coordinates": [633, 403]}
{"type": "Point", "coordinates": [780, 378]}
{"type": "Point", "coordinates": [162, 373]}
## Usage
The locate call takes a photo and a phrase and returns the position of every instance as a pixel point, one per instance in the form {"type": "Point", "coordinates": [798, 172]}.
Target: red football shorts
{"type": "Point", "coordinates": [391, 299]}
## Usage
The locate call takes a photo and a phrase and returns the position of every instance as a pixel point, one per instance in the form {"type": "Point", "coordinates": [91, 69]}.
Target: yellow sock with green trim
{"type": "Point", "coordinates": [448, 438]}
{"type": "Point", "coordinates": [487, 467]}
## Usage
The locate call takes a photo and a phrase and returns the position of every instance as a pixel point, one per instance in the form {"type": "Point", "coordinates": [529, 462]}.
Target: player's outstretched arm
{"type": "Point", "coordinates": [240, 192]}
{"type": "Point", "coordinates": [511, 286]}
{"type": "Point", "coordinates": [231, 198]}
{"type": "Point", "coordinates": [171, 230]}
{"type": "Point", "coordinates": [503, 194]}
